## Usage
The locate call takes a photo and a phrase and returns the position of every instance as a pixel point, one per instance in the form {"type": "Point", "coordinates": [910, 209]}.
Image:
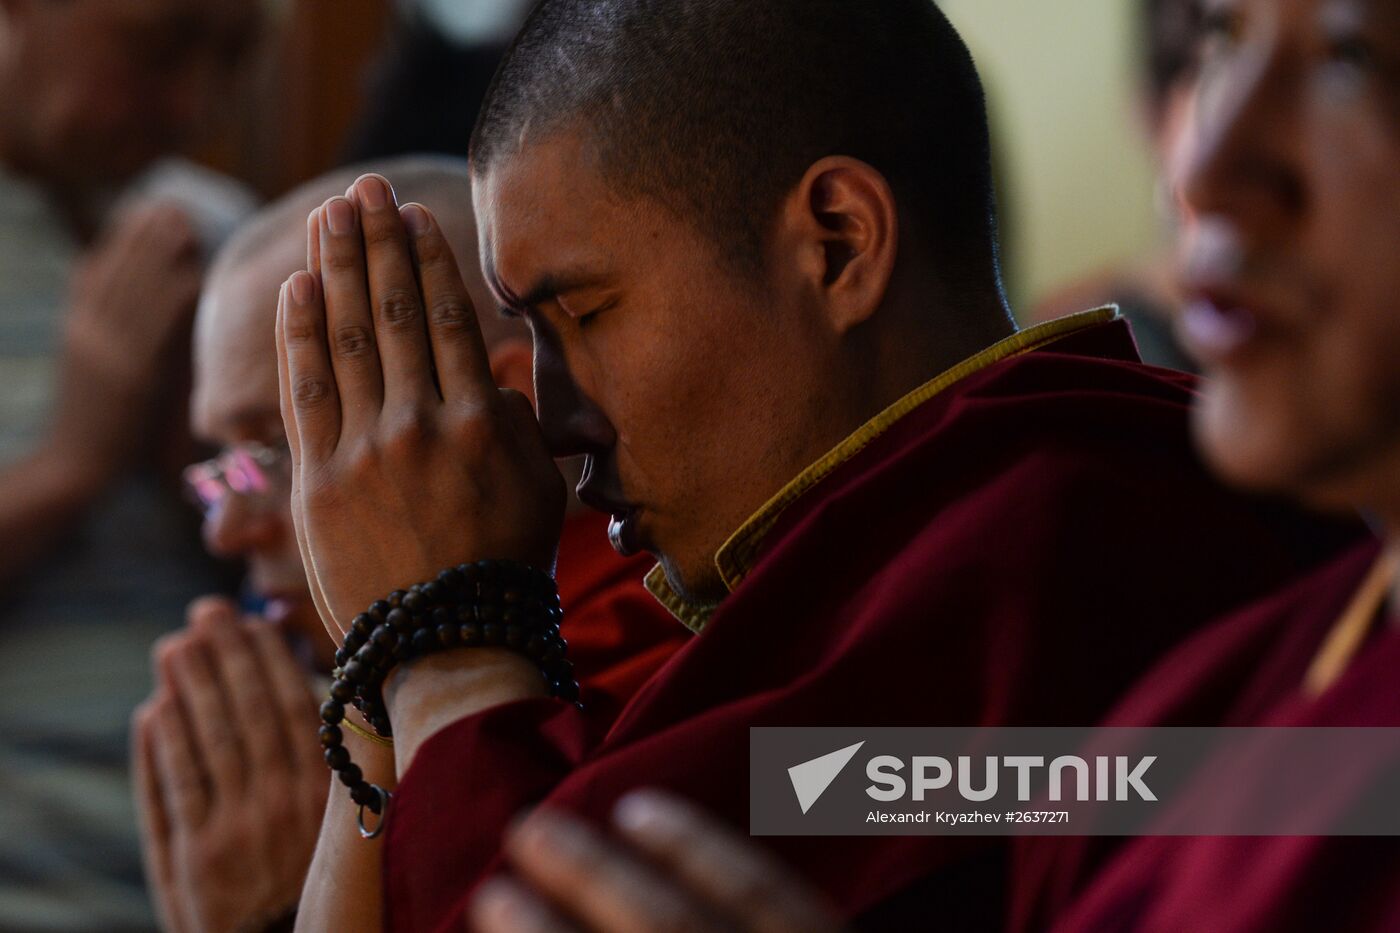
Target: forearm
{"type": "Point", "coordinates": [41, 498]}
{"type": "Point", "coordinates": [344, 886]}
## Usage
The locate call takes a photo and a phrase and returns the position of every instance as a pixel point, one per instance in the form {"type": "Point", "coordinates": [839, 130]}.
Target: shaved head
{"type": "Point", "coordinates": [716, 108]}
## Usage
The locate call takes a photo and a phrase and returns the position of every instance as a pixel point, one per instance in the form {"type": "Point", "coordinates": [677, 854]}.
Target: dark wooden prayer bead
{"type": "Point", "coordinates": [376, 803]}
{"type": "Point", "coordinates": [484, 603]}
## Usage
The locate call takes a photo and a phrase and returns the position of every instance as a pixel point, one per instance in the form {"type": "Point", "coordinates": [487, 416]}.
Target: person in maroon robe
{"type": "Point", "coordinates": [1295, 176]}
{"type": "Point", "coordinates": [756, 247]}
{"type": "Point", "coordinates": [244, 781]}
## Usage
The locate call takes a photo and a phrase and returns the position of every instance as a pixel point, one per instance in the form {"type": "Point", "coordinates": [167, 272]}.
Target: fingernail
{"type": "Point", "coordinates": [211, 609]}
{"type": "Point", "coordinates": [302, 288]}
{"type": "Point", "coordinates": [372, 192]}
{"type": "Point", "coordinates": [501, 904]}
{"type": "Point", "coordinates": [549, 830]}
{"type": "Point", "coordinates": [416, 219]}
{"type": "Point", "coordinates": [340, 216]}
{"type": "Point", "coordinates": [644, 812]}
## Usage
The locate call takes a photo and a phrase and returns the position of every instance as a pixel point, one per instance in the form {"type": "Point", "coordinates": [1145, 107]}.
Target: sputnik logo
{"type": "Point", "coordinates": [811, 778]}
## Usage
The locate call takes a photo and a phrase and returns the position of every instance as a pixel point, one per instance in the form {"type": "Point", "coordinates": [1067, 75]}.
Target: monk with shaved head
{"type": "Point", "coordinates": [755, 246]}
{"type": "Point", "coordinates": [230, 794]}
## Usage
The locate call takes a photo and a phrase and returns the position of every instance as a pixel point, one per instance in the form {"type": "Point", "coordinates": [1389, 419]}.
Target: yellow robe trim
{"type": "Point", "coordinates": [1350, 631]}
{"type": "Point", "coordinates": [736, 556]}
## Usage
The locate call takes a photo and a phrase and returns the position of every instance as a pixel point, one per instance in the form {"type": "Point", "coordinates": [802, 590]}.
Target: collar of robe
{"type": "Point", "coordinates": [736, 556]}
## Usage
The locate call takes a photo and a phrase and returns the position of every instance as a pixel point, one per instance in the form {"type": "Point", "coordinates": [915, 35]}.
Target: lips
{"type": "Point", "coordinates": [278, 609]}
{"type": "Point", "coordinates": [1214, 332]}
{"type": "Point", "coordinates": [593, 492]}
{"type": "Point", "coordinates": [1242, 297]}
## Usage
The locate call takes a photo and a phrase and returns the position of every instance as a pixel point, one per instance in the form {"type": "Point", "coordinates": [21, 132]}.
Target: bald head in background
{"type": "Point", "coordinates": [235, 390]}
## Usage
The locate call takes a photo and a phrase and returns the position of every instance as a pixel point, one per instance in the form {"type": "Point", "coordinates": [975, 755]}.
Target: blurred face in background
{"type": "Point", "coordinates": [93, 90]}
{"type": "Point", "coordinates": [247, 508]}
{"type": "Point", "coordinates": [1294, 178]}
{"type": "Point", "coordinates": [1170, 57]}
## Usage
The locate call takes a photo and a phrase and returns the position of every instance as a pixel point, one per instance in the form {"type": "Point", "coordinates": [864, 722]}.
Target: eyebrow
{"type": "Point", "coordinates": [547, 287]}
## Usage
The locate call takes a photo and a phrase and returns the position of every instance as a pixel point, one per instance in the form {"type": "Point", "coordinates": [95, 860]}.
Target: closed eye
{"type": "Point", "coordinates": [587, 318]}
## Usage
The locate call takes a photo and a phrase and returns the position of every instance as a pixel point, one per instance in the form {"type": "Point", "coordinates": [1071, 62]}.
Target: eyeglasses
{"type": "Point", "coordinates": [258, 472]}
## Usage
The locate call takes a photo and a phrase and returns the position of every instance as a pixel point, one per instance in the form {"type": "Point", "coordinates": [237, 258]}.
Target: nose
{"type": "Point", "coordinates": [1243, 159]}
{"type": "Point", "coordinates": [234, 528]}
{"type": "Point", "coordinates": [572, 424]}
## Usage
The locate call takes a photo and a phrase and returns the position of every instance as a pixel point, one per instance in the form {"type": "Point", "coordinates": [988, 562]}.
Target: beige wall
{"type": "Point", "coordinates": [1079, 187]}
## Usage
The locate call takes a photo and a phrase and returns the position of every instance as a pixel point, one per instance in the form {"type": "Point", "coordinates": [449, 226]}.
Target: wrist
{"type": "Point", "coordinates": [376, 759]}
{"type": "Point", "coordinates": [429, 694]}
{"type": "Point", "coordinates": [482, 634]}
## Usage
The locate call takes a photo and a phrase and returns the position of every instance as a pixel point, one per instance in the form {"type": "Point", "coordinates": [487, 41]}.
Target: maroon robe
{"type": "Point", "coordinates": [618, 634]}
{"type": "Point", "coordinates": [1016, 550]}
{"type": "Point", "coordinates": [1247, 670]}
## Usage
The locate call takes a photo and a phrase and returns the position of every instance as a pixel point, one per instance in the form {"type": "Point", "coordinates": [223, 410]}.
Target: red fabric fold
{"type": "Point", "coordinates": [1015, 551]}
{"type": "Point", "coordinates": [1246, 670]}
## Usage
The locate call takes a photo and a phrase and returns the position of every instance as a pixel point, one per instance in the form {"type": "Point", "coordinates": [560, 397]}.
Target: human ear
{"type": "Point", "coordinates": [512, 366]}
{"type": "Point", "coordinates": [843, 223]}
